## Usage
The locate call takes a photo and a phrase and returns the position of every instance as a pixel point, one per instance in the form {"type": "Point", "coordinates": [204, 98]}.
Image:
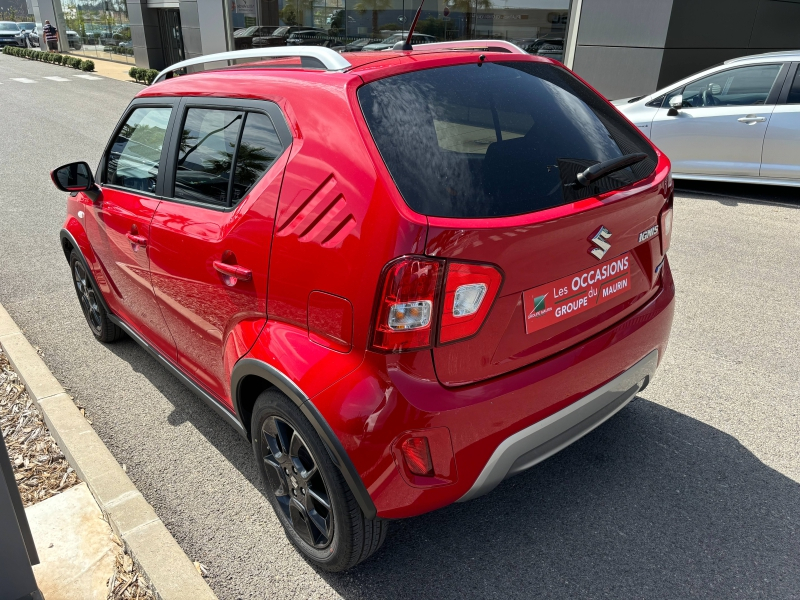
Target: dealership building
{"type": "Point", "coordinates": [622, 47]}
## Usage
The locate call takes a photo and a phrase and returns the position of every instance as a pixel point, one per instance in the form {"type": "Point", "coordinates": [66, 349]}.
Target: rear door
{"type": "Point", "coordinates": [781, 156]}
{"type": "Point", "coordinates": [492, 159]}
{"type": "Point", "coordinates": [131, 176]}
{"type": "Point", "coordinates": [720, 129]}
{"type": "Point", "coordinates": [212, 232]}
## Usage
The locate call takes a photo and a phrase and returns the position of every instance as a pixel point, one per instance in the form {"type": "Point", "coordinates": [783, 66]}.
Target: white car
{"type": "Point", "coordinates": [738, 121]}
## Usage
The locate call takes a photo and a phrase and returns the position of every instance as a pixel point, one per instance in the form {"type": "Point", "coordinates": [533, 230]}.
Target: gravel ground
{"type": "Point", "coordinates": [691, 492]}
{"type": "Point", "coordinates": [41, 471]}
{"type": "Point", "coordinates": [40, 468]}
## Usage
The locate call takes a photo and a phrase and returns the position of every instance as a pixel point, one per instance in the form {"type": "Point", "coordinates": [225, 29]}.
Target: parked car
{"type": "Point", "coordinates": [281, 36]}
{"type": "Point", "coordinates": [738, 121]}
{"type": "Point", "coordinates": [74, 40]}
{"type": "Point", "coordinates": [389, 42]}
{"type": "Point", "coordinates": [310, 37]}
{"type": "Point", "coordinates": [356, 46]}
{"type": "Point", "coordinates": [399, 296]}
{"type": "Point", "coordinates": [11, 34]}
{"type": "Point", "coordinates": [550, 45]}
{"type": "Point", "coordinates": [244, 37]}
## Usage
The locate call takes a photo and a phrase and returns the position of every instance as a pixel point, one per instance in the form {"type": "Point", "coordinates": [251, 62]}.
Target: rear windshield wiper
{"type": "Point", "coordinates": [607, 167]}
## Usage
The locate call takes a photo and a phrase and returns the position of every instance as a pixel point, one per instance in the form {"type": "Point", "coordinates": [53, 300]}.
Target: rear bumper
{"type": "Point", "coordinates": [498, 427]}
{"type": "Point", "coordinates": [541, 440]}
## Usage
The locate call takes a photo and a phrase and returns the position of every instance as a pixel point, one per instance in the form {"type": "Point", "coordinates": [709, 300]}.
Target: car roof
{"type": "Point", "coordinates": [246, 75]}
{"type": "Point", "coordinates": [767, 56]}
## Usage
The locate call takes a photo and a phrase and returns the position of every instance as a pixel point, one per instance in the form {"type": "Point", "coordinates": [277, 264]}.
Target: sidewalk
{"type": "Point", "coordinates": [71, 539]}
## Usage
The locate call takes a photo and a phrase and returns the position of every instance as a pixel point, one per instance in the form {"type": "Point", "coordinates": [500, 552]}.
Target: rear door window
{"type": "Point", "coordinates": [222, 154]}
{"type": "Point", "coordinates": [500, 139]}
{"type": "Point", "coordinates": [205, 155]}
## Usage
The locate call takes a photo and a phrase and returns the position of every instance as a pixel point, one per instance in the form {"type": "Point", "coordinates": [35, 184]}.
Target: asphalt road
{"type": "Point", "coordinates": [691, 491]}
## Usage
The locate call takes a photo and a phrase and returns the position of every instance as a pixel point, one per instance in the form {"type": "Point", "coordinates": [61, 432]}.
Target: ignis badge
{"type": "Point", "coordinates": [646, 235]}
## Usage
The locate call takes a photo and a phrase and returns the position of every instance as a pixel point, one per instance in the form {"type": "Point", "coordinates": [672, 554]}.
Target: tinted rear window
{"type": "Point", "coordinates": [496, 140]}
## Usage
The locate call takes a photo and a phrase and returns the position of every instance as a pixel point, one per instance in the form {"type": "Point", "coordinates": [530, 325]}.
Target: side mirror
{"type": "Point", "coordinates": [74, 177]}
{"type": "Point", "coordinates": [675, 103]}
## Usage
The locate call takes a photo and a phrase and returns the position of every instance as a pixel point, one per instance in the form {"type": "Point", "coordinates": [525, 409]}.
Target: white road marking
{"type": "Point", "coordinates": [57, 78]}
{"type": "Point", "coordinates": [23, 80]}
{"type": "Point", "coordinates": [87, 77]}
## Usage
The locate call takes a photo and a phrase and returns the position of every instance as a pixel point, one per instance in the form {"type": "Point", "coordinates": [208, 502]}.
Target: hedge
{"type": "Point", "coordinates": [51, 57]}
{"type": "Point", "coordinates": [143, 75]}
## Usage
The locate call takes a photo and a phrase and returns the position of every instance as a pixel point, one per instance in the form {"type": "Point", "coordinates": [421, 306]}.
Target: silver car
{"type": "Point", "coordinates": [738, 121]}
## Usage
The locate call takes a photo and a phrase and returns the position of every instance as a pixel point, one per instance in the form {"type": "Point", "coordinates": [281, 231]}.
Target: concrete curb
{"type": "Point", "coordinates": [166, 566]}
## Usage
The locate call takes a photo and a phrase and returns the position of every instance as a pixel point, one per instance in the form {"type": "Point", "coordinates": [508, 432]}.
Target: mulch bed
{"type": "Point", "coordinates": [41, 471]}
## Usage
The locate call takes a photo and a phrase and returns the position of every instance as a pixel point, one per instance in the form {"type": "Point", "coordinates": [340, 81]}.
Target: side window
{"type": "Point", "coordinates": [133, 159]}
{"type": "Point", "coordinates": [656, 102]}
{"type": "Point", "coordinates": [794, 92]}
{"type": "Point", "coordinates": [257, 151]}
{"type": "Point", "coordinates": [744, 86]}
{"type": "Point", "coordinates": [205, 155]}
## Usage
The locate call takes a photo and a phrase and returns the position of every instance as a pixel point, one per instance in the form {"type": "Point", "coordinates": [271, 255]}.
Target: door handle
{"type": "Point", "coordinates": [751, 119]}
{"type": "Point", "coordinates": [233, 271]}
{"type": "Point", "coordinates": [139, 240]}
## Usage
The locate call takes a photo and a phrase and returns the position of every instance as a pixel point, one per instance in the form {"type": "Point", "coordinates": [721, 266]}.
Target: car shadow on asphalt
{"type": "Point", "coordinates": [652, 504]}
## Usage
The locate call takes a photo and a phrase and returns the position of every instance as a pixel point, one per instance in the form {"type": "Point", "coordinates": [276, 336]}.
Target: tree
{"type": "Point", "coordinates": [375, 6]}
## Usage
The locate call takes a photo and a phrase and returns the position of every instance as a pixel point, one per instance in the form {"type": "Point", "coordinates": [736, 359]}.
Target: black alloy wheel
{"type": "Point", "coordinates": [306, 489]}
{"type": "Point", "coordinates": [297, 482]}
{"type": "Point", "coordinates": [91, 303]}
{"type": "Point", "coordinates": [87, 297]}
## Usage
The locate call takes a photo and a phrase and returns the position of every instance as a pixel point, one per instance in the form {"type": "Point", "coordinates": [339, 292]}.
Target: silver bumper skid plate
{"type": "Point", "coordinates": [541, 440]}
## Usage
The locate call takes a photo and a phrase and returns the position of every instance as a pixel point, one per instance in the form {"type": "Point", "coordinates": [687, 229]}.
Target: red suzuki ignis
{"type": "Point", "coordinates": [404, 276]}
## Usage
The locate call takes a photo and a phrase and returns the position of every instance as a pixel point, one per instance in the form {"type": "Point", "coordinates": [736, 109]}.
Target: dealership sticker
{"type": "Point", "coordinates": [558, 300]}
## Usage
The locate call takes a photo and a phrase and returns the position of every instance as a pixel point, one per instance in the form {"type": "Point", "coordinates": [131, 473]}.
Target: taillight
{"type": "Point", "coordinates": [666, 227]}
{"type": "Point", "coordinates": [470, 290]}
{"type": "Point", "coordinates": [407, 305]}
{"type": "Point", "coordinates": [407, 312]}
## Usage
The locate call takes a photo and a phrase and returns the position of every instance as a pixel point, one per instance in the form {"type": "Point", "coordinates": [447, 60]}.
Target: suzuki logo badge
{"type": "Point", "coordinates": [599, 240]}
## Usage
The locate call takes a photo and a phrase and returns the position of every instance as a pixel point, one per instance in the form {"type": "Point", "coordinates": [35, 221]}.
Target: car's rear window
{"type": "Point", "coordinates": [496, 140]}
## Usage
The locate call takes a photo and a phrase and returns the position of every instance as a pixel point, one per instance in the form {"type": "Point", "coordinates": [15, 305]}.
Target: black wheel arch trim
{"type": "Point", "coordinates": [250, 366]}
{"type": "Point", "coordinates": [68, 237]}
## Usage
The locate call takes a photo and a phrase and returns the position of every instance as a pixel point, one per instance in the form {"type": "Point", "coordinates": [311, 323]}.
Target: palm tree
{"type": "Point", "coordinates": [375, 6]}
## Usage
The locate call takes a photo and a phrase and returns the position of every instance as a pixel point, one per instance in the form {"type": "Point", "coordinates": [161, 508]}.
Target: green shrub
{"type": "Point", "coordinates": [150, 75]}
{"type": "Point", "coordinates": [87, 65]}
{"type": "Point", "coordinates": [58, 58]}
{"type": "Point", "coordinates": [132, 72]}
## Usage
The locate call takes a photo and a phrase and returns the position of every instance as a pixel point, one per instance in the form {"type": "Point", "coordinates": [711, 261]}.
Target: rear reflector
{"type": "Point", "coordinates": [417, 455]}
{"type": "Point", "coordinates": [470, 290]}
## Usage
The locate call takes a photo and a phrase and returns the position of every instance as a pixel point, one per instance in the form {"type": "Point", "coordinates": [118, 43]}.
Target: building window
{"type": "Point", "coordinates": [98, 29]}
{"type": "Point", "coordinates": [537, 26]}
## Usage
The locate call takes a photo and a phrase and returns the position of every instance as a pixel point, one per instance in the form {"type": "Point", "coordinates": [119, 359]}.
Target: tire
{"type": "Point", "coordinates": [335, 538]}
{"type": "Point", "coordinates": [91, 303]}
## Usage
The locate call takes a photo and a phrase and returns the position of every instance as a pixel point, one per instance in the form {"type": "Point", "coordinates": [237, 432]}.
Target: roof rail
{"type": "Point", "coordinates": [332, 61]}
{"type": "Point", "coordinates": [485, 45]}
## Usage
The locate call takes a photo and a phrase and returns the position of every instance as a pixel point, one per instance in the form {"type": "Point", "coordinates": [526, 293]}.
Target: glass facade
{"type": "Point", "coordinates": [538, 26]}
{"type": "Point", "coordinates": [99, 29]}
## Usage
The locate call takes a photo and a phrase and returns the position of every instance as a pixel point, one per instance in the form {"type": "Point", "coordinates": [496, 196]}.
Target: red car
{"type": "Point", "coordinates": [404, 276]}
